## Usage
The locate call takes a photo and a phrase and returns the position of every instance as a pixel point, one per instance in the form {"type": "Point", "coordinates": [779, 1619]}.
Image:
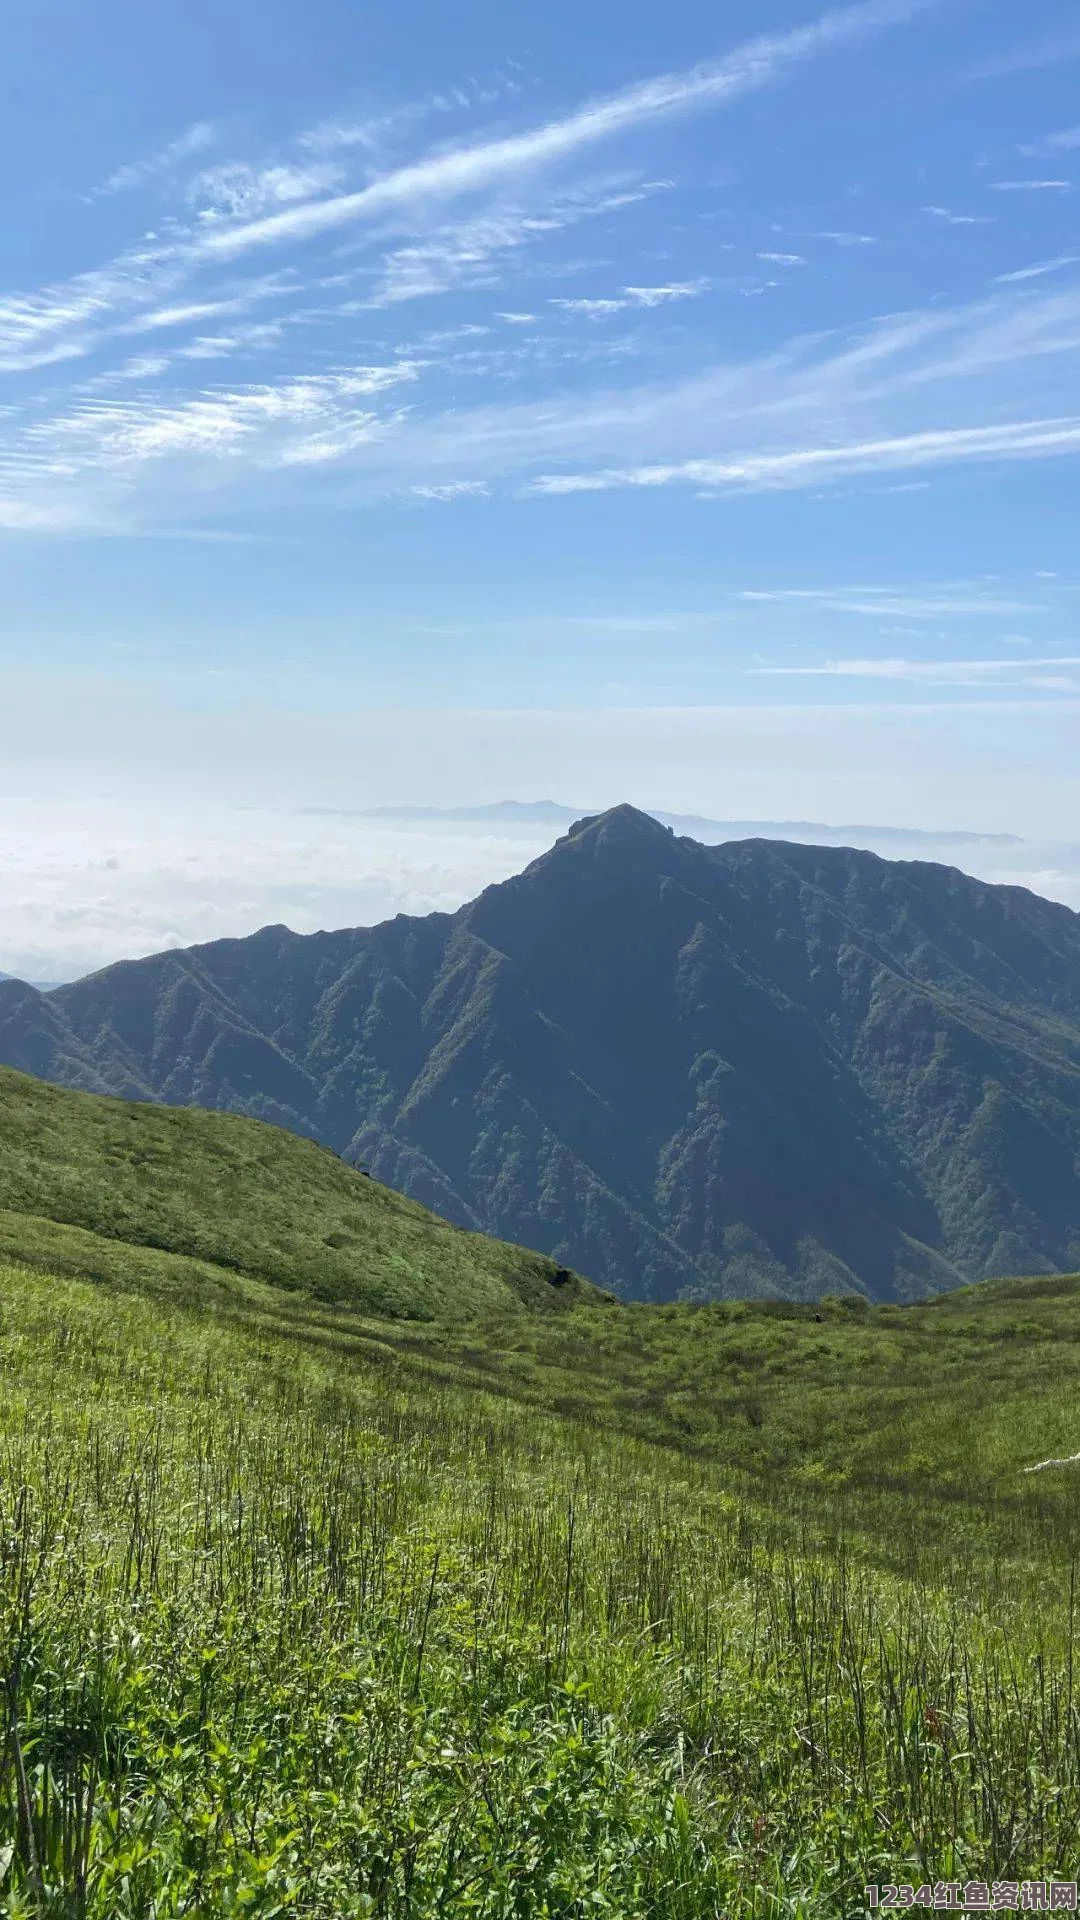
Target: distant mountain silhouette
{"type": "Point", "coordinates": [549, 813]}
{"type": "Point", "coordinates": [757, 1067]}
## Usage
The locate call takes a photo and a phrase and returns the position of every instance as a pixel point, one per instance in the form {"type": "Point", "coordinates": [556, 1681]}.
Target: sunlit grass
{"type": "Point", "coordinates": [298, 1621]}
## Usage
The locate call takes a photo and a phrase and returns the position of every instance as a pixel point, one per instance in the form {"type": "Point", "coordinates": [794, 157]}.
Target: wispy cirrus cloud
{"type": "Point", "coordinates": [235, 206]}
{"type": "Point", "coordinates": [756, 64]}
{"type": "Point", "coordinates": [1050, 673]}
{"type": "Point", "coordinates": [138, 292]}
{"type": "Point", "coordinates": [909, 394]}
{"type": "Point", "coordinates": [474, 251]}
{"type": "Point", "coordinates": [877, 602]}
{"type": "Point", "coordinates": [842, 239]}
{"type": "Point", "coordinates": [55, 323]}
{"type": "Point", "coordinates": [1032, 186]}
{"type": "Point", "coordinates": [920, 390]}
{"type": "Point", "coordinates": [803, 465]}
{"type": "Point", "coordinates": [938, 386]}
{"type": "Point", "coordinates": [952, 219]}
{"type": "Point", "coordinates": [1036, 272]}
{"type": "Point", "coordinates": [303, 421]}
{"type": "Point", "coordinates": [452, 490]}
{"type": "Point", "coordinates": [378, 130]}
{"type": "Point", "coordinates": [237, 190]}
{"type": "Point", "coordinates": [628, 297]}
{"type": "Point", "coordinates": [197, 139]}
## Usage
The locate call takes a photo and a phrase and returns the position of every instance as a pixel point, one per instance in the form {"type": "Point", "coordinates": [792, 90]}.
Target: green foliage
{"type": "Point", "coordinates": [179, 1199]}
{"type": "Point", "coordinates": [297, 1617]}
{"type": "Point", "coordinates": [929, 1410]}
{"type": "Point", "coordinates": [752, 1069]}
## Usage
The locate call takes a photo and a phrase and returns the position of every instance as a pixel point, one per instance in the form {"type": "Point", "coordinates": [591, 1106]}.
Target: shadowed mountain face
{"type": "Point", "coordinates": [749, 1068]}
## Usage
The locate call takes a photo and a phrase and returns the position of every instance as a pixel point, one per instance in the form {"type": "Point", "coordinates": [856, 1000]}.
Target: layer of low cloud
{"type": "Point", "coordinates": [82, 885]}
{"type": "Point", "coordinates": [104, 851]}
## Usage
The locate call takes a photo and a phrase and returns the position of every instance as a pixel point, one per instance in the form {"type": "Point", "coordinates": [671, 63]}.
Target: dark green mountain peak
{"type": "Point", "coordinates": [623, 825]}
{"type": "Point", "coordinates": [750, 1068]}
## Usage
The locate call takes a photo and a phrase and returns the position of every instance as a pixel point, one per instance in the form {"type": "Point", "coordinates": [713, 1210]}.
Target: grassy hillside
{"type": "Point", "coordinates": [671, 1611]}
{"type": "Point", "coordinates": [144, 1187]}
{"type": "Point", "coordinates": [952, 1398]}
{"type": "Point", "coordinates": [286, 1630]}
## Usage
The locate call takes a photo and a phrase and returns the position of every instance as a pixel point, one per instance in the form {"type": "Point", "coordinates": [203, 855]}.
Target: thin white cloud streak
{"type": "Point", "coordinates": [1037, 271]}
{"type": "Point", "coordinates": [848, 239]}
{"type": "Point", "coordinates": [900, 603]}
{"type": "Point", "coordinates": [758, 63]}
{"type": "Point", "coordinates": [253, 337]}
{"type": "Point", "coordinates": [453, 490]}
{"type": "Point", "coordinates": [378, 130]}
{"type": "Point", "coordinates": [662, 296]}
{"type": "Point", "coordinates": [824, 395]}
{"type": "Point", "coordinates": [1031, 186]}
{"type": "Point", "coordinates": [72, 321]}
{"type": "Point", "coordinates": [32, 324]}
{"type": "Point", "coordinates": [182, 316]}
{"type": "Point", "coordinates": [198, 138]}
{"type": "Point", "coordinates": [473, 252]}
{"type": "Point", "coordinates": [952, 219]}
{"type": "Point", "coordinates": [804, 465]}
{"type": "Point", "coordinates": [338, 136]}
{"type": "Point", "coordinates": [629, 297]}
{"type": "Point", "coordinates": [932, 672]}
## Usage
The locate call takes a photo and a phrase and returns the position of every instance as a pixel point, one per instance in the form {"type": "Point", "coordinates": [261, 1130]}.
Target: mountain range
{"type": "Point", "coordinates": [684, 1070]}
{"type": "Point", "coordinates": [551, 813]}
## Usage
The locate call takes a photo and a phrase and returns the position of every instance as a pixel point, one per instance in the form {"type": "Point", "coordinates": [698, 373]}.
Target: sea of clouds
{"type": "Point", "coordinates": [87, 882]}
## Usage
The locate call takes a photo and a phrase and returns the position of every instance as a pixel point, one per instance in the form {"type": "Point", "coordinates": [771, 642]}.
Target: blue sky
{"type": "Point", "coordinates": [404, 403]}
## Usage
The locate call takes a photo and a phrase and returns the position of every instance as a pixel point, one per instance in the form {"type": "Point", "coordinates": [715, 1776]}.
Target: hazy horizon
{"type": "Point", "coordinates": [129, 883]}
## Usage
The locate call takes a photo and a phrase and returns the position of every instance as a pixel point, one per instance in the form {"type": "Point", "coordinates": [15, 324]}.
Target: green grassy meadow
{"type": "Point", "coordinates": [680, 1612]}
{"type": "Point", "coordinates": [292, 1627]}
